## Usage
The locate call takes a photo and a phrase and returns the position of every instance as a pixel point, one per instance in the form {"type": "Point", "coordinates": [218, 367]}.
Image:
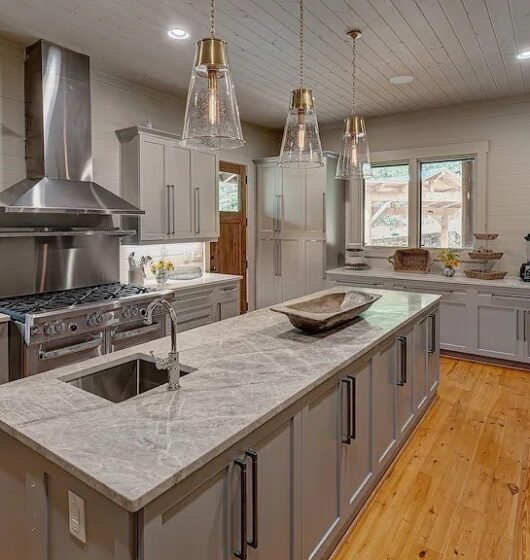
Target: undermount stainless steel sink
{"type": "Point", "coordinates": [121, 382]}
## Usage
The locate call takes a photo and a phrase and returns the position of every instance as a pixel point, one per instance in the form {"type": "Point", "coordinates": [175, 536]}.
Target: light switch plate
{"type": "Point", "coordinates": [76, 516]}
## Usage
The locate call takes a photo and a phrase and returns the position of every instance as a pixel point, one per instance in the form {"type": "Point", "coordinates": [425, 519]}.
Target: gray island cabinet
{"type": "Point", "coordinates": [268, 452]}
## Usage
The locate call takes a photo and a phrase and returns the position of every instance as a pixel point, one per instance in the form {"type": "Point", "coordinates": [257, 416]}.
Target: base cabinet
{"type": "Point", "coordinates": [320, 459]}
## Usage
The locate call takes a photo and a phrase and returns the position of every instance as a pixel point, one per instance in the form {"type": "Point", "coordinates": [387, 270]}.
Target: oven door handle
{"type": "Point", "coordinates": [74, 349]}
{"type": "Point", "coordinates": [136, 332]}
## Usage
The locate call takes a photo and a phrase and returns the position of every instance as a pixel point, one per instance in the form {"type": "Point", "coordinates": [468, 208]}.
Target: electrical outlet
{"type": "Point", "coordinates": [76, 516]}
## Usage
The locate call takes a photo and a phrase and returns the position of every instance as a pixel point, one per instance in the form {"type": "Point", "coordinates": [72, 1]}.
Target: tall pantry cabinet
{"type": "Point", "coordinates": [300, 220]}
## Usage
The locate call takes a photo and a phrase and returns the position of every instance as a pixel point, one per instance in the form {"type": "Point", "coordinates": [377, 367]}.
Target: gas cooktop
{"type": "Point", "coordinates": [18, 307]}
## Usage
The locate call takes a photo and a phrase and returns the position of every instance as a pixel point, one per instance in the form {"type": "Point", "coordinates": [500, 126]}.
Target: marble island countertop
{"type": "Point", "coordinates": [249, 369]}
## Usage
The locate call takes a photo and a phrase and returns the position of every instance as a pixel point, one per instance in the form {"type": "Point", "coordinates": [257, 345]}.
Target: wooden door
{"type": "Point", "coordinates": [204, 183]}
{"type": "Point", "coordinates": [229, 254]}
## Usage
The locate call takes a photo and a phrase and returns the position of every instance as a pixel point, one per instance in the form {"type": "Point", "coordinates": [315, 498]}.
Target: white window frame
{"type": "Point", "coordinates": [413, 156]}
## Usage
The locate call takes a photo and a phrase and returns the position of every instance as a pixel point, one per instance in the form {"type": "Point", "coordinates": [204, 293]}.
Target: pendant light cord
{"type": "Point", "coordinates": [353, 77]}
{"type": "Point", "coordinates": [301, 45]}
{"type": "Point", "coordinates": [212, 18]}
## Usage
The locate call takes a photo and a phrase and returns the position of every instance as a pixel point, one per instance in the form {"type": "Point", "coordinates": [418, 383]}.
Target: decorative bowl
{"type": "Point", "coordinates": [326, 310]}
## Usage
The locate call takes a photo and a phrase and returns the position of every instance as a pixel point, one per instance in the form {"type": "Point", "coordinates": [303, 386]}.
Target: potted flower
{"type": "Point", "coordinates": [161, 269]}
{"type": "Point", "coordinates": [450, 261]}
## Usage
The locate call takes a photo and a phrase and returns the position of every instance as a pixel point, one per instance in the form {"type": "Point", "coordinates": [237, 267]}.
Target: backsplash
{"type": "Point", "coordinates": [180, 254]}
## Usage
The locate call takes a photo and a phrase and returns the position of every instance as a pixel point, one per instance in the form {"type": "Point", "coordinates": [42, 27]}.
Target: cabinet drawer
{"type": "Point", "coordinates": [449, 294]}
{"type": "Point", "coordinates": [503, 300]}
{"type": "Point", "coordinates": [191, 300]}
{"type": "Point", "coordinates": [228, 293]}
{"type": "Point", "coordinates": [361, 284]}
{"type": "Point", "coordinates": [195, 318]}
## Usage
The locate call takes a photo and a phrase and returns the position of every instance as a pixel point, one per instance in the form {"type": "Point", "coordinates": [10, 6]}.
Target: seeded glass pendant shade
{"type": "Point", "coordinates": [301, 147]}
{"type": "Point", "coordinates": [354, 156]}
{"type": "Point", "coordinates": [212, 116]}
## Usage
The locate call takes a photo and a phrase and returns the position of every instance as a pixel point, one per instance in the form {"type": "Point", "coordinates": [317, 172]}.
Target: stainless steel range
{"type": "Point", "coordinates": [59, 246]}
{"type": "Point", "coordinates": [58, 328]}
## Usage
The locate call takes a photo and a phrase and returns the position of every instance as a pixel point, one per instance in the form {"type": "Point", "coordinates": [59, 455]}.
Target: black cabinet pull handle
{"type": "Point", "coordinates": [432, 319]}
{"type": "Point", "coordinates": [403, 361]}
{"type": "Point", "coordinates": [254, 457]}
{"type": "Point", "coordinates": [353, 408]}
{"type": "Point", "coordinates": [168, 209]}
{"type": "Point", "coordinates": [173, 207]}
{"type": "Point", "coordinates": [347, 439]}
{"type": "Point", "coordinates": [242, 553]}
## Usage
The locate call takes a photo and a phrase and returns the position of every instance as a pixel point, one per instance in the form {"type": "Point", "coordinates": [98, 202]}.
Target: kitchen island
{"type": "Point", "coordinates": [269, 450]}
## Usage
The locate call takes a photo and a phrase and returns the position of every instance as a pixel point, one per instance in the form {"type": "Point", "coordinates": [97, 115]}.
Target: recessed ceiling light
{"type": "Point", "coordinates": [398, 80]}
{"type": "Point", "coordinates": [523, 55]}
{"type": "Point", "coordinates": [179, 34]}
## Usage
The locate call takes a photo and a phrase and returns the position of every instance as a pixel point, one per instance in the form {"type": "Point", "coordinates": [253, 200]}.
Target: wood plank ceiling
{"type": "Point", "coordinates": [456, 50]}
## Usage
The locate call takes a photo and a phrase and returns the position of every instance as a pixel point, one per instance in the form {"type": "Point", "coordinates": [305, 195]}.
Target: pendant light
{"type": "Point", "coordinates": [354, 157]}
{"type": "Point", "coordinates": [212, 115]}
{"type": "Point", "coordinates": [301, 147]}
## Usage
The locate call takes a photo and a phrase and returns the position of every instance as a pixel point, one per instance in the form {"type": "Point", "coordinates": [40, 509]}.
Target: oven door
{"type": "Point", "coordinates": [136, 332]}
{"type": "Point", "coordinates": [58, 353]}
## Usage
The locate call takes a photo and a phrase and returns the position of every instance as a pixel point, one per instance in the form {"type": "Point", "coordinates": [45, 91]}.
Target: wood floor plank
{"type": "Point", "coordinates": [461, 487]}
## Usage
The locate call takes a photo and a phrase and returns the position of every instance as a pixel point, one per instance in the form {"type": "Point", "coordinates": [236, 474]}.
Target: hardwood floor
{"type": "Point", "coordinates": [460, 488]}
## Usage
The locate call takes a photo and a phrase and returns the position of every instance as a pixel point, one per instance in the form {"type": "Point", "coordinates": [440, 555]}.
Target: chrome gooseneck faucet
{"type": "Point", "coordinates": [171, 363]}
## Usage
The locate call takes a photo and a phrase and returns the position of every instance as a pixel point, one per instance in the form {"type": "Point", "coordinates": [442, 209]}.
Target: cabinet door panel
{"type": "Point", "coordinates": [356, 458]}
{"type": "Point", "coordinates": [267, 281]}
{"type": "Point", "coordinates": [420, 358]}
{"type": "Point", "coordinates": [453, 325]}
{"type": "Point", "coordinates": [291, 269]}
{"type": "Point", "coordinates": [268, 187]}
{"type": "Point", "coordinates": [179, 176]}
{"type": "Point", "coordinates": [497, 330]}
{"type": "Point", "coordinates": [275, 496]}
{"type": "Point", "coordinates": [315, 197]}
{"type": "Point", "coordinates": [293, 200]}
{"type": "Point", "coordinates": [154, 190]}
{"type": "Point", "coordinates": [384, 404]}
{"type": "Point", "coordinates": [320, 509]}
{"type": "Point", "coordinates": [204, 179]}
{"type": "Point", "coordinates": [196, 527]}
{"type": "Point", "coordinates": [314, 265]}
{"type": "Point", "coordinates": [404, 391]}
{"type": "Point", "coordinates": [228, 309]}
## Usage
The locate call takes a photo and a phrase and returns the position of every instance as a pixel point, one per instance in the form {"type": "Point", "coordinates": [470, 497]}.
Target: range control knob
{"type": "Point", "coordinates": [73, 327]}
{"type": "Point", "coordinates": [100, 319]}
{"type": "Point", "coordinates": [60, 327]}
{"type": "Point", "coordinates": [49, 329]}
{"type": "Point", "coordinates": [127, 313]}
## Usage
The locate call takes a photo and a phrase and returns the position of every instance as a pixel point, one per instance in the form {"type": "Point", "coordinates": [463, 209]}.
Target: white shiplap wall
{"type": "Point", "coordinates": [115, 104]}
{"type": "Point", "coordinates": [505, 124]}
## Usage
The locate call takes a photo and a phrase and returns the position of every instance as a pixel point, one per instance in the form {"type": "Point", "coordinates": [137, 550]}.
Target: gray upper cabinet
{"type": "Point", "coordinates": [320, 460]}
{"type": "Point", "coordinates": [356, 461]}
{"type": "Point", "coordinates": [384, 404]}
{"type": "Point", "coordinates": [177, 188]}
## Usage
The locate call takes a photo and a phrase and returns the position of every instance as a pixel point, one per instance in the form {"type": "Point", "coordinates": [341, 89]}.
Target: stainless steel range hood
{"type": "Point", "coordinates": [59, 140]}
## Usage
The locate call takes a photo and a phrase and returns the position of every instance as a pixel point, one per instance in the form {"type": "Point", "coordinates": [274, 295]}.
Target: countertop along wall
{"type": "Point", "coordinates": [505, 123]}
{"type": "Point", "coordinates": [116, 104]}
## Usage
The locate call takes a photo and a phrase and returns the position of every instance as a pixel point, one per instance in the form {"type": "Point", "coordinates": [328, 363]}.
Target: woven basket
{"type": "Point", "coordinates": [411, 260]}
{"type": "Point", "coordinates": [483, 256]}
{"type": "Point", "coordinates": [486, 236]}
{"type": "Point", "coordinates": [481, 275]}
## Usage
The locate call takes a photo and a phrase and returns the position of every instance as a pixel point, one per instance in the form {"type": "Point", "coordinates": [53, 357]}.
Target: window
{"type": "Point", "coordinates": [386, 206]}
{"type": "Point", "coordinates": [420, 202]}
{"type": "Point", "coordinates": [229, 192]}
{"type": "Point", "coordinates": [446, 203]}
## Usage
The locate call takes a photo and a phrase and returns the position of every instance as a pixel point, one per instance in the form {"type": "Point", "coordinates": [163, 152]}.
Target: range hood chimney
{"type": "Point", "coordinates": [59, 140]}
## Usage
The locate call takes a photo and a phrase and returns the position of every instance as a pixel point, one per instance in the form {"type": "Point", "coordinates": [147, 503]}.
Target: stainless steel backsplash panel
{"type": "Point", "coordinates": [30, 265]}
